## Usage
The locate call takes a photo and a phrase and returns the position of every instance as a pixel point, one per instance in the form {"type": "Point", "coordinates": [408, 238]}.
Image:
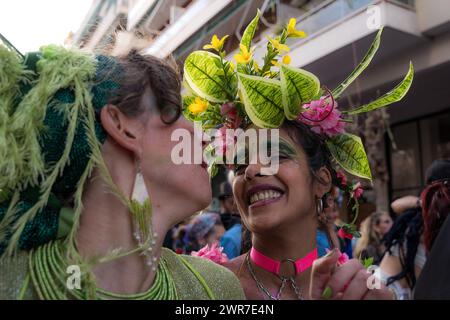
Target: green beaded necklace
{"type": "Point", "coordinates": [48, 275]}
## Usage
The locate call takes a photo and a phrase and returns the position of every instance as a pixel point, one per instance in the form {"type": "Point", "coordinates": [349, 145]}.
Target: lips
{"type": "Point", "coordinates": [263, 194]}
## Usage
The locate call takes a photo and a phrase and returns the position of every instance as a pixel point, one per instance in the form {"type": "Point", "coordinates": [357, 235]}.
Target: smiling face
{"type": "Point", "coordinates": [268, 203]}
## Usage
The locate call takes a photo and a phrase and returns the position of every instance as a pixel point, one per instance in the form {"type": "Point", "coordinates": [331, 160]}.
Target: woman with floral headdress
{"type": "Point", "coordinates": [77, 132]}
{"type": "Point", "coordinates": [281, 206]}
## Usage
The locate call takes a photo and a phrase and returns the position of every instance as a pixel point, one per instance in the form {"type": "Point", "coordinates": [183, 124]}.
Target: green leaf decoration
{"type": "Point", "coordinates": [262, 99]}
{"type": "Point", "coordinates": [206, 78]}
{"type": "Point", "coordinates": [249, 32]}
{"type": "Point", "coordinates": [361, 67]}
{"type": "Point", "coordinates": [348, 150]}
{"type": "Point", "coordinates": [298, 87]}
{"type": "Point", "coordinates": [367, 262]}
{"type": "Point", "coordinates": [392, 96]}
{"type": "Point", "coordinates": [187, 100]}
{"type": "Point", "coordinates": [247, 37]}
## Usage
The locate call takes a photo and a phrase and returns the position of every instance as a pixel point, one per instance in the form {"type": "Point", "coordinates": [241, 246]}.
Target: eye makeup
{"type": "Point", "coordinates": [286, 151]}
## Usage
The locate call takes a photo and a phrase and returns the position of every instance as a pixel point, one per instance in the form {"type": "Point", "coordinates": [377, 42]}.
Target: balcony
{"type": "Point", "coordinates": [339, 30]}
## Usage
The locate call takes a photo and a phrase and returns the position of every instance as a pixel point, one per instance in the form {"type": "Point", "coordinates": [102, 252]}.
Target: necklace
{"type": "Point", "coordinates": [273, 266]}
{"type": "Point", "coordinates": [49, 277]}
{"type": "Point", "coordinates": [284, 280]}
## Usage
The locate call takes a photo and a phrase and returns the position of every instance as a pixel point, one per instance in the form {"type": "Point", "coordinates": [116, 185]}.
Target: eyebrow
{"type": "Point", "coordinates": [283, 147]}
{"type": "Point", "coordinates": [287, 148]}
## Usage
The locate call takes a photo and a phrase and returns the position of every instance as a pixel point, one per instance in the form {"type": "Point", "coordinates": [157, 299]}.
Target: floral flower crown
{"type": "Point", "coordinates": [221, 94]}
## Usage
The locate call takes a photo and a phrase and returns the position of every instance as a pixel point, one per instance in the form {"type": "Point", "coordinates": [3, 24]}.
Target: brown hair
{"type": "Point", "coordinates": [369, 236]}
{"type": "Point", "coordinates": [143, 72]}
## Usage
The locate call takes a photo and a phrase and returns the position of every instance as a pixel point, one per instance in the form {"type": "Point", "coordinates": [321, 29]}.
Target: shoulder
{"type": "Point", "coordinates": [235, 264]}
{"type": "Point", "coordinates": [224, 284]}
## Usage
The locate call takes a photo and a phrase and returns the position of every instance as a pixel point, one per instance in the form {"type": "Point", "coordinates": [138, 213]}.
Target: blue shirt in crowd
{"type": "Point", "coordinates": [231, 241]}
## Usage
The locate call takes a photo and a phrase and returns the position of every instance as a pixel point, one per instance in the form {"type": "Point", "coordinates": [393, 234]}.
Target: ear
{"type": "Point", "coordinates": [322, 184]}
{"type": "Point", "coordinates": [125, 131]}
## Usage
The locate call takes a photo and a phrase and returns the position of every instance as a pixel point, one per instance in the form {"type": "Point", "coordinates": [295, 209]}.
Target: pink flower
{"type": "Point", "coordinates": [342, 178]}
{"type": "Point", "coordinates": [344, 235]}
{"type": "Point", "coordinates": [357, 190]}
{"type": "Point", "coordinates": [224, 141]}
{"type": "Point", "coordinates": [343, 258]}
{"type": "Point", "coordinates": [231, 114]}
{"type": "Point", "coordinates": [323, 117]}
{"type": "Point", "coordinates": [213, 253]}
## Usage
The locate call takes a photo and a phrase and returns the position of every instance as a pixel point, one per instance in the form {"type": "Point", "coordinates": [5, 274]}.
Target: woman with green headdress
{"type": "Point", "coordinates": [281, 197]}
{"type": "Point", "coordinates": [76, 132]}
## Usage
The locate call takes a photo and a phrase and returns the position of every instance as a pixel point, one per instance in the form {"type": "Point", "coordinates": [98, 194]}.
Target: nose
{"type": "Point", "coordinates": [252, 171]}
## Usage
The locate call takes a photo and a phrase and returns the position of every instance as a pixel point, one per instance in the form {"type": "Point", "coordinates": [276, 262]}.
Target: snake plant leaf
{"type": "Point", "coordinates": [248, 35]}
{"type": "Point", "coordinates": [361, 67]}
{"type": "Point", "coordinates": [349, 152]}
{"type": "Point", "coordinates": [207, 79]}
{"type": "Point", "coordinates": [392, 96]}
{"type": "Point", "coordinates": [298, 87]}
{"type": "Point", "coordinates": [262, 100]}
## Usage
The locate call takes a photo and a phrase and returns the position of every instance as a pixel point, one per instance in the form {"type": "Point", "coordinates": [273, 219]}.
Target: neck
{"type": "Point", "coordinates": [294, 242]}
{"type": "Point", "coordinates": [290, 242]}
{"type": "Point", "coordinates": [107, 224]}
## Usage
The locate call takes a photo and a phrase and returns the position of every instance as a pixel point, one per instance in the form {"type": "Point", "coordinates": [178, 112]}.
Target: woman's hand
{"type": "Point", "coordinates": [349, 281]}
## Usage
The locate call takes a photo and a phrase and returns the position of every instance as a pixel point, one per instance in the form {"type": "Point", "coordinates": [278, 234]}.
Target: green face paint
{"type": "Point", "coordinates": [287, 150]}
{"type": "Point", "coordinates": [283, 151]}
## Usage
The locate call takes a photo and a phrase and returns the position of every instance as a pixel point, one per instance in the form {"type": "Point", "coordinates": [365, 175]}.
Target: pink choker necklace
{"type": "Point", "coordinates": [273, 266]}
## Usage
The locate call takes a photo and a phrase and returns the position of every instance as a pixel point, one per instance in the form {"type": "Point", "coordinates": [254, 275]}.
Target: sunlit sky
{"type": "Point", "coordinates": [29, 24]}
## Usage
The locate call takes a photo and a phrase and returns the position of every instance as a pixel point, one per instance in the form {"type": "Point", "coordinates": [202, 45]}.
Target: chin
{"type": "Point", "coordinates": [260, 222]}
{"type": "Point", "coordinates": [202, 197]}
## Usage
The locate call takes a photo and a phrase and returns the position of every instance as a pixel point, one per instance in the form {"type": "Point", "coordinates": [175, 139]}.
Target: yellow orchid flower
{"type": "Point", "coordinates": [216, 43]}
{"type": "Point", "coordinates": [245, 56]}
{"type": "Point", "coordinates": [292, 32]}
{"type": "Point", "coordinates": [198, 106]}
{"type": "Point", "coordinates": [286, 60]}
{"type": "Point", "coordinates": [279, 46]}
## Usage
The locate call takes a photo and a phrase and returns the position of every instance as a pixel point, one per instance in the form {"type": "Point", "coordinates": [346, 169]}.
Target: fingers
{"type": "Point", "coordinates": [357, 288]}
{"type": "Point", "coordinates": [342, 277]}
{"type": "Point", "coordinates": [382, 293]}
{"type": "Point", "coordinates": [321, 272]}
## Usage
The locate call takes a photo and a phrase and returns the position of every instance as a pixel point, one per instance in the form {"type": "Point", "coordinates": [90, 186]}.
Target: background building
{"type": "Point", "coordinates": [401, 142]}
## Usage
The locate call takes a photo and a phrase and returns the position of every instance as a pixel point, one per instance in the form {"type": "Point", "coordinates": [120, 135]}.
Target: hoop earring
{"type": "Point", "coordinates": [319, 206]}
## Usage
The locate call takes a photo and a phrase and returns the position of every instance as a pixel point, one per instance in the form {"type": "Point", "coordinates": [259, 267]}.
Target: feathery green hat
{"type": "Point", "coordinates": [49, 135]}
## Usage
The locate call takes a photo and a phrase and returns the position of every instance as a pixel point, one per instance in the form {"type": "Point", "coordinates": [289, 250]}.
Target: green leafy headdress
{"type": "Point", "coordinates": [222, 94]}
{"type": "Point", "coordinates": [50, 137]}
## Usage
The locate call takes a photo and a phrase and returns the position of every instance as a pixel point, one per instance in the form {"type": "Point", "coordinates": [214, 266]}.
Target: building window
{"type": "Point", "coordinates": [416, 144]}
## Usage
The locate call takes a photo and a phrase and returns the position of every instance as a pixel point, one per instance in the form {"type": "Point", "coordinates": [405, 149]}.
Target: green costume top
{"type": "Point", "coordinates": [50, 141]}
{"type": "Point", "coordinates": [16, 283]}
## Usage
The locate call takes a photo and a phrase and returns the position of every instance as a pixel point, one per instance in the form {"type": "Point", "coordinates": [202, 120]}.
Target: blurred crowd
{"type": "Point", "coordinates": [398, 242]}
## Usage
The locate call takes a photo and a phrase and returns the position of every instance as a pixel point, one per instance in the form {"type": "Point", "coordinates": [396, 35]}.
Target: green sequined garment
{"type": "Point", "coordinates": [15, 283]}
